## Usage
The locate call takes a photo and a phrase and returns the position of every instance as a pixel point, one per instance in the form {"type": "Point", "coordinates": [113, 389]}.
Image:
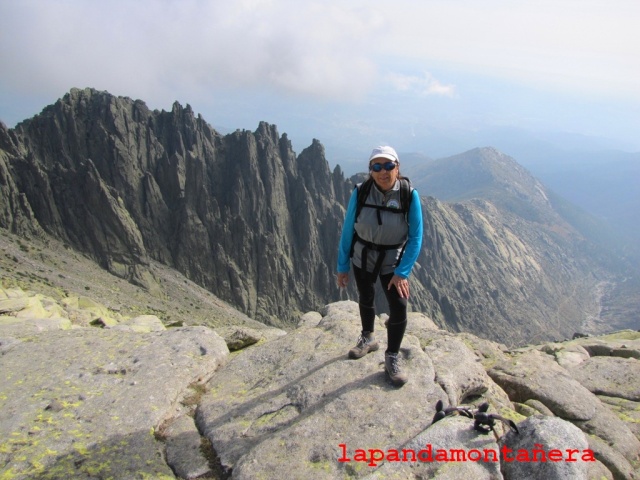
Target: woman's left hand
{"type": "Point", "coordinates": [401, 284]}
{"type": "Point", "coordinates": [343, 279]}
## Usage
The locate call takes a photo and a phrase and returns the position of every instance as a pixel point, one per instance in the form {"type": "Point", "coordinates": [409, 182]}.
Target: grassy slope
{"type": "Point", "coordinates": [48, 267]}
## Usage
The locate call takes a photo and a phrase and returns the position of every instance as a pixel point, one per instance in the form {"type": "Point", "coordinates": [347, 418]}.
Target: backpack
{"type": "Point", "coordinates": [405, 197]}
{"type": "Point", "coordinates": [405, 203]}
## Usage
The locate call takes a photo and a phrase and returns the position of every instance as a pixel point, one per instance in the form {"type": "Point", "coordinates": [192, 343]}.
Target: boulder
{"type": "Point", "coordinates": [546, 448]}
{"type": "Point", "coordinates": [105, 322]}
{"type": "Point", "coordinates": [625, 410]}
{"type": "Point", "coordinates": [310, 319]}
{"type": "Point", "coordinates": [13, 305]}
{"type": "Point", "coordinates": [598, 471]}
{"type": "Point", "coordinates": [535, 375]}
{"type": "Point", "coordinates": [141, 324]}
{"type": "Point", "coordinates": [613, 430]}
{"type": "Point", "coordinates": [20, 327]}
{"type": "Point", "coordinates": [87, 402]}
{"type": "Point", "coordinates": [613, 460]}
{"type": "Point", "coordinates": [449, 449]}
{"type": "Point", "coordinates": [33, 310]}
{"type": "Point", "coordinates": [184, 449]}
{"type": "Point", "coordinates": [611, 376]}
{"type": "Point", "coordinates": [238, 337]}
{"type": "Point", "coordinates": [418, 323]}
{"type": "Point", "coordinates": [87, 303]}
{"type": "Point", "coordinates": [489, 353]}
{"type": "Point", "coordinates": [525, 410]}
{"type": "Point", "coordinates": [539, 407]}
{"type": "Point", "coordinates": [84, 311]}
{"type": "Point", "coordinates": [458, 371]}
{"type": "Point", "coordinates": [52, 308]}
{"type": "Point", "coordinates": [568, 355]}
{"type": "Point", "coordinates": [459, 362]}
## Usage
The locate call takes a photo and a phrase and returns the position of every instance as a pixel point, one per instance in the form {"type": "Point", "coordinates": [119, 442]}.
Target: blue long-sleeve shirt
{"type": "Point", "coordinates": [414, 239]}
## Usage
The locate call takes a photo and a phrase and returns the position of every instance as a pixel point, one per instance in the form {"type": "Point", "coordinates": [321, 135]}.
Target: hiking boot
{"type": "Point", "coordinates": [366, 343]}
{"type": "Point", "coordinates": [393, 369]}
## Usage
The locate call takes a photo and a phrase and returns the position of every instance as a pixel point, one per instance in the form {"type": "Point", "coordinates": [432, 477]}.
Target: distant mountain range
{"type": "Point", "coordinates": [257, 225]}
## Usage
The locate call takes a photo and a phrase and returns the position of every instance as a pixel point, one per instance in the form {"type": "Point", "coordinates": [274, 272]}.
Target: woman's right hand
{"type": "Point", "coordinates": [343, 279]}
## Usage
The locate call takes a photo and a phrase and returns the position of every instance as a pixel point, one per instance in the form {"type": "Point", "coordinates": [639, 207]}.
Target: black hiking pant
{"type": "Point", "coordinates": [366, 281]}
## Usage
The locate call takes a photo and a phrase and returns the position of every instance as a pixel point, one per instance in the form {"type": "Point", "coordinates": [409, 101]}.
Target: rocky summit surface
{"type": "Point", "coordinates": [127, 397]}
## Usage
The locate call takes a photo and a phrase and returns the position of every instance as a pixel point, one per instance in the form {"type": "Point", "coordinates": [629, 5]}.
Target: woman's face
{"type": "Point", "coordinates": [385, 179]}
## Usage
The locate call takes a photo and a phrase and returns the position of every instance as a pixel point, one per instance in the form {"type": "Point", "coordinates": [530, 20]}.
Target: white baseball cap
{"type": "Point", "coordinates": [384, 152]}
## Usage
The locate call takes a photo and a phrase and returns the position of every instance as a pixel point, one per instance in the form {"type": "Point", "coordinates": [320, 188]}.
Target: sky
{"type": "Point", "coordinates": [429, 76]}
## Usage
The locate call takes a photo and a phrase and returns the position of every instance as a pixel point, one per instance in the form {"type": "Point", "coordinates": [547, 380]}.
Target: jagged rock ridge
{"type": "Point", "coordinates": [245, 218]}
{"type": "Point", "coordinates": [239, 214]}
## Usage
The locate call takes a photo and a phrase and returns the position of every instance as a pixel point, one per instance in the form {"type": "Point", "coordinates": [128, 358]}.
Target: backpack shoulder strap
{"type": "Point", "coordinates": [405, 194]}
{"type": "Point", "coordinates": [363, 193]}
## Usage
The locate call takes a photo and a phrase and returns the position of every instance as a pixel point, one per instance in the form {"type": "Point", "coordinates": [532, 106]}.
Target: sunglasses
{"type": "Point", "coordinates": [377, 167]}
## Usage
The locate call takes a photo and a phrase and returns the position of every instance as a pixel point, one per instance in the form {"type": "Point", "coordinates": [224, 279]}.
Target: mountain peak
{"type": "Point", "coordinates": [483, 173]}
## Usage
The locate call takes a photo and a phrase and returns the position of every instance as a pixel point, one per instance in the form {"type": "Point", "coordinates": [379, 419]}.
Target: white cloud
{"type": "Point", "coordinates": [242, 59]}
{"type": "Point", "coordinates": [305, 48]}
{"type": "Point", "coordinates": [325, 48]}
{"type": "Point", "coordinates": [572, 45]}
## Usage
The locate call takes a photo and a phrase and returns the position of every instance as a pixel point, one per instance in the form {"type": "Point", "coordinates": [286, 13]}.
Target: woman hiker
{"type": "Point", "coordinates": [381, 237]}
